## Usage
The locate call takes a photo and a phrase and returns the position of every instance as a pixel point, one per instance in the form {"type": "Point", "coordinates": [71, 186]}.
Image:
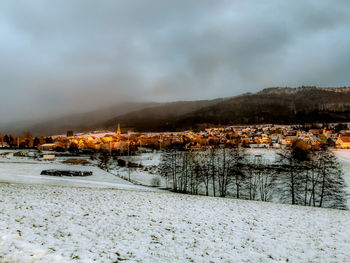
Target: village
{"type": "Point", "coordinates": [255, 136]}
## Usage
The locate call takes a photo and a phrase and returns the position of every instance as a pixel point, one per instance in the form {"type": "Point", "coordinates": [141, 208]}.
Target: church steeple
{"type": "Point", "coordinates": [118, 130]}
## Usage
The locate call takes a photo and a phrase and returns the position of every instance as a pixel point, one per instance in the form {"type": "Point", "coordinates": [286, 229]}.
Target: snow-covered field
{"type": "Point", "coordinates": [27, 171]}
{"type": "Point", "coordinates": [41, 223]}
{"type": "Point", "coordinates": [344, 159]}
{"type": "Point", "coordinates": [144, 175]}
{"type": "Point", "coordinates": [103, 218]}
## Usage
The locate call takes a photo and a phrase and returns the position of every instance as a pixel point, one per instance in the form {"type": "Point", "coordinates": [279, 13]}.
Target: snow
{"type": "Point", "coordinates": [29, 173]}
{"type": "Point", "coordinates": [103, 218]}
{"type": "Point", "coordinates": [344, 159]}
{"type": "Point", "coordinates": [140, 176]}
{"type": "Point", "coordinates": [268, 155]}
{"type": "Point", "coordinates": [144, 175]}
{"type": "Point", "coordinates": [343, 155]}
{"type": "Point", "coordinates": [42, 223]}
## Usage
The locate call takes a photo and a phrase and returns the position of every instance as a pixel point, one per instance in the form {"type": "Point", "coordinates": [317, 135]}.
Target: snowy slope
{"type": "Point", "coordinates": [41, 223]}
{"type": "Point", "coordinates": [344, 159]}
{"type": "Point", "coordinates": [144, 175]}
{"type": "Point", "coordinates": [29, 173]}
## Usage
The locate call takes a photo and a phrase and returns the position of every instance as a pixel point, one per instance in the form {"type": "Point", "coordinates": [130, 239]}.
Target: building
{"type": "Point", "coordinates": [47, 147]}
{"type": "Point", "coordinates": [49, 157]}
{"type": "Point", "coordinates": [118, 130]}
{"type": "Point", "coordinates": [343, 142]}
{"type": "Point", "coordinates": [4, 145]}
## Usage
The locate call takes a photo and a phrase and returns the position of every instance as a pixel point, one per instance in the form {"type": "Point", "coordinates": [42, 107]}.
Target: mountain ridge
{"type": "Point", "coordinates": [275, 105]}
{"type": "Point", "coordinates": [280, 105]}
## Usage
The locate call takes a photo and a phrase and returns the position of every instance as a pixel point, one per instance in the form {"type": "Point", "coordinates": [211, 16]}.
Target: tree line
{"type": "Point", "coordinates": [299, 176]}
{"type": "Point", "coordinates": [26, 140]}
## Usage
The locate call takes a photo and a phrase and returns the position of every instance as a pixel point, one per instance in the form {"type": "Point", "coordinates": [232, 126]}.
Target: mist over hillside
{"type": "Point", "coordinates": [76, 121]}
{"type": "Point", "coordinates": [280, 105]}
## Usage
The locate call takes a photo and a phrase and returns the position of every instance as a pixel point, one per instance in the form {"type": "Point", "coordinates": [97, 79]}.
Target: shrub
{"type": "Point", "coordinates": [59, 149]}
{"type": "Point", "coordinates": [155, 181]}
{"type": "Point", "coordinates": [76, 161]}
{"type": "Point", "coordinates": [121, 163]}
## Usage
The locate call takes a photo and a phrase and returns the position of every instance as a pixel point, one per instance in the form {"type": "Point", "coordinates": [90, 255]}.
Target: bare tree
{"type": "Point", "coordinates": [222, 175]}
{"type": "Point", "coordinates": [331, 183]}
{"type": "Point", "coordinates": [289, 179]}
{"type": "Point", "coordinates": [165, 167]}
{"type": "Point", "coordinates": [213, 169]}
{"type": "Point", "coordinates": [204, 160]}
{"type": "Point", "coordinates": [237, 163]}
{"type": "Point", "coordinates": [104, 160]}
{"type": "Point", "coordinates": [299, 177]}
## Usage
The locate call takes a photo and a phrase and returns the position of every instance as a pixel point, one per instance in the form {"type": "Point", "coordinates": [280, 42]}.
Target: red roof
{"type": "Point", "coordinates": [345, 139]}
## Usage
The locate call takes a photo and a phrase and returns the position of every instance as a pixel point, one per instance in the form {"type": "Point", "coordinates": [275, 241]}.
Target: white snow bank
{"type": "Point", "coordinates": [28, 173]}
{"type": "Point", "coordinates": [63, 224]}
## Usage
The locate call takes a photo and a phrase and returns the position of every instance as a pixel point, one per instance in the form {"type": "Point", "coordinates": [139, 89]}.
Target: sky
{"type": "Point", "coordinates": [63, 56]}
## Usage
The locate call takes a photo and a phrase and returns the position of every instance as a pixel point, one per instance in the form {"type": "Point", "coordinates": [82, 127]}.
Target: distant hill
{"type": "Point", "coordinates": [272, 105]}
{"type": "Point", "coordinates": [77, 122]}
{"type": "Point", "coordinates": [276, 105]}
{"type": "Point", "coordinates": [280, 105]}
{"type": "Point", "coordinates": [159, 117]}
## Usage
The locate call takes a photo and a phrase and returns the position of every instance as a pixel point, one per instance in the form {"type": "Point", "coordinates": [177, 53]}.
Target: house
{"type": "Point", "coordinates": [343, 142]}
{"type": "Point", "coordinates": [330, 133]}
{"type": "Point", "coordinates": [4, 145]}
{"type": "Point", "coordinates": [49, 157]}
{"type": "Point", "coordinates": [47, 147]}
{"type": "Point", "coordinates": [213, 140]}
{"type": "Point", "coordinates": [287, 141]}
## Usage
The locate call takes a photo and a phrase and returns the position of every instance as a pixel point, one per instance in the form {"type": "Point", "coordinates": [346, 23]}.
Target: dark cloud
{"type": "Point", "coordinates": [63, 56]}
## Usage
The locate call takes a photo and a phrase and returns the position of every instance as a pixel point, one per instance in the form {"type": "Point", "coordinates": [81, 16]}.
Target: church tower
{"type": "Point", "coordinates": [118, 130]}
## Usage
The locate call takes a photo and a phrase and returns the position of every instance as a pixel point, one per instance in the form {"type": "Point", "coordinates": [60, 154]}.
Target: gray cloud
{"type": "Point", "coordinates": [63, 56]}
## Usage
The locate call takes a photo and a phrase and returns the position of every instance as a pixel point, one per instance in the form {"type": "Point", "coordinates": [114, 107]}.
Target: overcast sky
{"type": "Point", "coordinates": [62, 56]}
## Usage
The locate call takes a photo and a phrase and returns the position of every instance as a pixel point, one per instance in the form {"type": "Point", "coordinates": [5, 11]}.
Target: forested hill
{"type": "Point", "coordinates": [272, 105]}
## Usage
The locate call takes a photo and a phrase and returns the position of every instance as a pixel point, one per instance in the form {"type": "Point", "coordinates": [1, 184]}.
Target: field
{"type": "Point", "coordinates": [43, 223]}
{"type": "Point", "coordinates": [103, 218]}
{"type": "Point", "coordinates": [27, 171]}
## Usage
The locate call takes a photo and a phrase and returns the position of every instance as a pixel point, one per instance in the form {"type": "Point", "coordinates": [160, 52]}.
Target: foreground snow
{"type": "Point", "coordinates": [41, 223]}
